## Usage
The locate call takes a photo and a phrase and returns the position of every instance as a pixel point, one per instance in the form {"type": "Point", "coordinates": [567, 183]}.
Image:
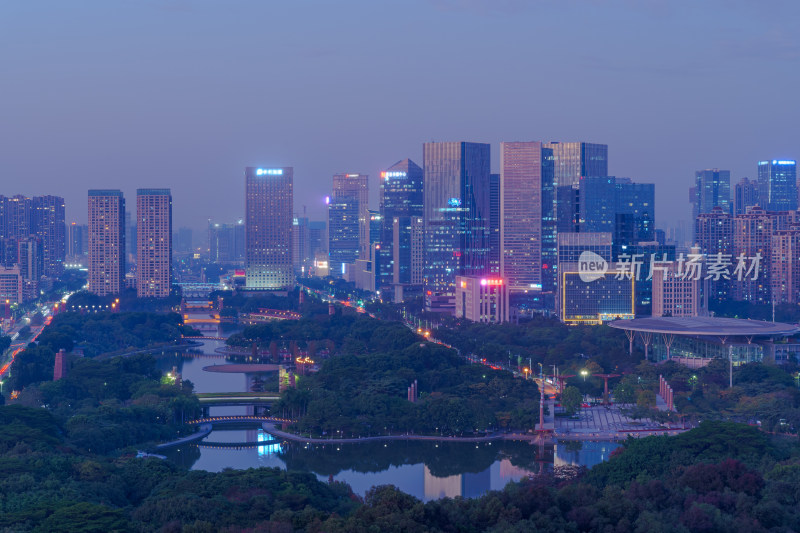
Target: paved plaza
{"type": "Point", "coordinates": [602, 421]}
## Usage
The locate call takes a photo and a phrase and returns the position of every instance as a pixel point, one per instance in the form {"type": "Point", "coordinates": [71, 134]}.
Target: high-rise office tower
{"type": "Point", "coordinates": [777, 184]}
{"type": "Point", "coordinates": [525, 217]}
{"type": "Point", "coordinates": [745, 195]}
{"type": "Point", "coordinates": [618, 206]}
{"type": "Point", "coordinates": [343, 232]}
{"type": "Point", "coordinates": [401, 200]}
{"type": "Point", "coordinates": [575, 160]}
{"type": "Point", "coordinates": [495, 246]}
{"type": "Point", "coordinates": [456, 212]}
{"type": "Point", "coordinates": [77, 240]}
{"type": "Point", "coordinates": [300, 255]}
{"type": "Point", "coordinates": [19, 220]}
{"type": "Point", "coordinates": [183, 240]}
{"type": "Point", "coordinates": [355, 187]}
{"type": "Point", "coordinates": [317, 238]}
{"type": "Point", "coordinates": [712, 188]}
{"type": "Point", "coordinates": [268, 228]}
{"type": "Point", "coordinates": [752, 236]}
{"type": "Point", "coordinates": [226, 242]}
{"type": "Point", "coordinates": [30, 257]}
{"type": "Point", "coordinates": [48, 220]}
{"type": "Point", "coordinates": [568, 206]}
{"type": "Point", "coordinates": [106, 241]}
{"type": "Point", "coordinates": [714, 236]}
{"type": "Point", "coordinates": [154, 243]}
{"type": "Point", "coordinates": [40, 216]}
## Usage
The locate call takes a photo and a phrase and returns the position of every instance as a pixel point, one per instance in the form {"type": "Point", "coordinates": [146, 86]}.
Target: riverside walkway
{"type": "Point", "coordinates": [200, 434]}
{"type": "Point", "coordinates": [270, 428]}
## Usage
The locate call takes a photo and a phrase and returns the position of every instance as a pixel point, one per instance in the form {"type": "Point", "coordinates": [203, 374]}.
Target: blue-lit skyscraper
{"type": "Point", "coordinates": [617, 206]}
{"type": "Point", "coordinates": [268, 228]}
{"type": "Point", "coordinates": [746, 195]}
{"type": "Point", "coordinates": [348, 221]}
{"type": "Point", "coordinates": [777, 184]}
{"type": "Point", "coordinates": [712, 188]}
{"type": "Point", "coordinates": [401, 200]}
{"type": "Point", "coordinates": [575, 160]}
{"type": "Point", "coordinates": [456, 212]}
{"type": "Point", "coordinates": [527, 226]}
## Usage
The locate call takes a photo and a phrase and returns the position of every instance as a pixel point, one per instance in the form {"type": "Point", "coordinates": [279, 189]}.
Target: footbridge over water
{"type": "Point", "coordinates": [237, 398]}
{"type": "Point", "coordinates": [244, 419]}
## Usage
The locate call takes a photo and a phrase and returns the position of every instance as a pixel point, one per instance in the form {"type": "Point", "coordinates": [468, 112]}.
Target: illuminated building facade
{"type": "Point", "coordinates": [785, 266]}
{"type": "Point", "coordinates": [269, 201]}
{"type": "Point", "coordinates": [40, 217]}
{"type": "Point", "coordinates": [456, 213]}
{"type": "Point", "coordinates": [300, 253]}
{"type": "Point", "coordinates": [153, 243]}
{"type": "Point", "coordinates": [401, 202]}
{"type": "Point", "coordinates": [752, 235]}
{"type": "Point", "coordinates": [527, 224]}
{"type": "Point", "coordinates": [712, 188]}
{"type": "Point", "coordinates": [777, 184]}
{"type": "Point", "coordinates": [226, 242]}
{"type": "Point", "coordinates": [714, 236]}
{"type": "Point", "coordinates": [675, 296]}
{"type": "Point", "coordinates": [575, 160]}
{"type": "Point", "coordinates": [482, 299]}
{"type": "Point", "coordinates": [353, 190]}
{"type": "Point", "coordinates": [77, 241]}
{"type": "Point", "coordinates": [746, 195]}
{"type": "Point", "coordinates": [106, 241]}
{"type": "Point", "coordinates": [48, 221]}
{"type": "Point", "coordinates": [604, 299]}
{"type": "Point", "coordinates": [619, 206]}
{"type": "Point", "coordinates": [10, 286]}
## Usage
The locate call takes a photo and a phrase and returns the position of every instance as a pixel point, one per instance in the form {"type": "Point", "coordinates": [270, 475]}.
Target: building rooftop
{"type": "Point", "coordinates": [711, 326]}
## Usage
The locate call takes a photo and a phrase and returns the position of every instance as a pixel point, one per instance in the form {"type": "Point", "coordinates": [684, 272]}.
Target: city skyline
{"type": "Point", "coordinates": [149, 107]}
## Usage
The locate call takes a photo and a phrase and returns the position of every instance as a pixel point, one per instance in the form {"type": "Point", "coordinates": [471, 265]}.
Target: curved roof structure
{"type": "Point", "coordinates": [707, 326]}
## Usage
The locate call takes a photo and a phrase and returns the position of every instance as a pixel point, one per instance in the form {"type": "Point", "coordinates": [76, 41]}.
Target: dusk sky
{"type": "Point", "coordinates": [186, 93]}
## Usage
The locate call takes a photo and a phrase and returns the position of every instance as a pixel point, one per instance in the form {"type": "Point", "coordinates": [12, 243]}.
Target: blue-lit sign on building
{"type": "Point", "coordinates": [269, 171]}
{"type": "Point", "coordinates": [393, 174]}
{"type": "Point", "coordinates": [454, 202]}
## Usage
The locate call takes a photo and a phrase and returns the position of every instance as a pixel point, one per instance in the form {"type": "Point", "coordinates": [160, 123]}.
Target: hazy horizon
{"type": "Point", "coordinates": [185, 95]}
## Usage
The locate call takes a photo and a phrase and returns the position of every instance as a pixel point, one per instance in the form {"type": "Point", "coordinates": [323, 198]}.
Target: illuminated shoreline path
{"type": "Point", "coordinates": [268, 228]}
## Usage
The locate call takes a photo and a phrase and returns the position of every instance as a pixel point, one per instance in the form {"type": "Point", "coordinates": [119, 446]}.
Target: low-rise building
{"type": "Point", "coordinates": [482, 299]}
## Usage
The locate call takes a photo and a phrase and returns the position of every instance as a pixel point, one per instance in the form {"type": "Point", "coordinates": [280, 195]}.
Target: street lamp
{"type": "Point", "coordinates": [526, 370]}
{"type": "Point", "coordinates": [584, 373]}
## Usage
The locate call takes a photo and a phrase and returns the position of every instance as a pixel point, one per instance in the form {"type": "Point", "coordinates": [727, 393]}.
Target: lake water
{"type": "Point", "coordinates": [426, 470]}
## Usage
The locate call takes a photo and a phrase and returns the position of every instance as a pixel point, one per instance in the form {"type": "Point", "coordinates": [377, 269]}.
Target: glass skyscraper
{"type": "Point", "coordinates": [575, 160]}
{"type": "Point", "coordinates": [456, 212]}
{"type": "Point", "coordinates": [712, 188]}
{"type": "Point", "coordinates": [401, 201]}
{"type": "Point", "coordinates": [526, 214]}
{"type": "Point", "coordinates": [353, 190]}
{"type": "Point", "coordinates": [617, 206]}
{"type": "Point", "coordinates": [269, 200]}
{"type": "Point", "coordinates": [777, 184]}
{"type": "Point", "coordinates": [746, 195]}
{"type": "Point", "coordinates": [348, 221]}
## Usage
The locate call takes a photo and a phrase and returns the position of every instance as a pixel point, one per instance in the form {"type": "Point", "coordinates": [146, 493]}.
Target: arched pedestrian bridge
{"type": "Point", "coordinates": [244, 419]}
